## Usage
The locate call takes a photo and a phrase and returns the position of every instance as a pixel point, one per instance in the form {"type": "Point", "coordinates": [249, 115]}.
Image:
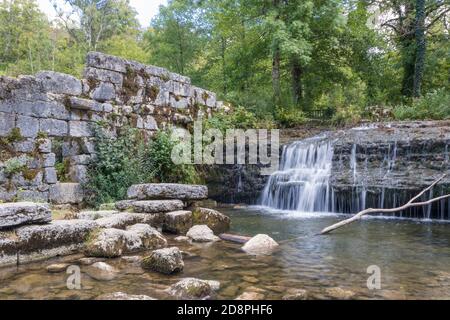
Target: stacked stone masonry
{"type": "Point", "coordinates": [46, 121]}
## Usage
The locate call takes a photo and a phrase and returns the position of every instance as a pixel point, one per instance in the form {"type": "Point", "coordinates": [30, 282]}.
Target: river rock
{"type": "Point", "coordinates": [167, 191]}
{"type": "Point", "coordinates": [250, 295]}
{"type": "Point", "coordinates": [216, 221]}
{"type": "Point", "coordinates": [123, 296]}
{"type": "Point", "coordinates": [178, 222]}
{"type": "Point", "coordinates": [89, 261]}
{"type": "Point", "coordinates": [8, 249]}
{"type": "Point", "coordinates": [167, 261]}
{"type": "Point", "coordinates": [154, 206]}
{"type": "Point", "coordinates": [57, 268]}
{"type": "Point", "coordinates": [260, 244]}
{"type": "Point", "coordinates": [201, 233]}
{"type": "Point", "coordinates": [60, 237]}
{"type": "Point", "coordinates": [150, 237]}
{"type": "Point", "coordinates": [296, 294]}
{"type": "Point", "coordinates": [193, 289]}
{"type": "Point", "coordinates": [20, 213]}
{"type": "Point", "coordinates": [102, 271]}
{"type": "Point", "coordinates": [339, 293]}
{"type": "Point", "coordinates": [182, 239]}
{"type": "Point", "coordinates": [108, 243]}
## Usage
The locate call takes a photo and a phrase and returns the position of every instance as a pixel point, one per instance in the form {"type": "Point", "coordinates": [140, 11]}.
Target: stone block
{"type": "Point", "coordinates": [61, 83]}
{"type": "Point", "coordinates": [20, 213]}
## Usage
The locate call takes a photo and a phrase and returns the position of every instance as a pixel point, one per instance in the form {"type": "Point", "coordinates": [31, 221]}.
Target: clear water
{"type": "Point", "coordinates": [413, 255]}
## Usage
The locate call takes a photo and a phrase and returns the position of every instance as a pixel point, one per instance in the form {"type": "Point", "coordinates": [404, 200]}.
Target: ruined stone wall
{"type": "Point", "coordinates": [46, 121]}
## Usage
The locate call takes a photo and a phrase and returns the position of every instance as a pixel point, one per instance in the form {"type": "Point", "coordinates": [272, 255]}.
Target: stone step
{"type": "Point", "coordinates": [157, 206]}
{"type": "Point", "coordinates": [20, 213]}
{"type": "Point", "coordinates": [155, 191]}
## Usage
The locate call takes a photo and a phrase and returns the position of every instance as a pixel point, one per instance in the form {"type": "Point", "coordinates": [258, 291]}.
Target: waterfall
{"type": "Point", "coordinates": [307, 181]}
{"type": "Point", "coordinates": [302, 183]}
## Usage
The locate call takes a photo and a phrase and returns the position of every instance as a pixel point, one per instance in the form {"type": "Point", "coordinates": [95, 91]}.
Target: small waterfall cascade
{"type": "Point", "coordinates": [302, 183]}
{"type": "Point", "coordinates": [321, 174]}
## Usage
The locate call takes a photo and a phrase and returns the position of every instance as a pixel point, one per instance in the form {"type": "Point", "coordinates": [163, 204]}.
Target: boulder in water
{"type": "Point", "coordinates": [123, 296]}
{"type": "Point", "coordinates": [178, 222]}
{"type": "Point", "coordinates": [193, 289]}
{"type": "Point", "coordinates": [260, 244]}
{"type": "Point", "coordinates": [167, 261]}
{"type": "Point", "coordinates": [201, 233]}
{"type": "Point", "coordinates": [216, 221]}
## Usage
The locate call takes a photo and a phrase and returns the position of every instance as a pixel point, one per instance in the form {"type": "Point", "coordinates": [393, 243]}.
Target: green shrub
{"type": "Point", "coordinates": [238, 118]}
{"type": "Point", "coordinates": [128, 159]}
{"type": "Point", "coordinates": [158, 165]}
{"type": "Point", "coordinates": [347, 116]}
{"type": "Point", "coordinates": [289, 117]}
{"type": "Point", "coordinates": [115, 168]}
{"type": "Point", "coordinates": [435, 105]}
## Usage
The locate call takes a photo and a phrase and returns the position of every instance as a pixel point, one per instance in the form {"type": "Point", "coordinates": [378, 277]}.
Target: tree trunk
{"type": "Point", "coordinates": [276, 61]}
{"type": "Point", "coordinates": [276, 65]}
{"type": "Point", "coordinates": [407, 48]}
{"type": "Point", "coordinates": [224, 70]}
{"type": "Point", "coordinates": [297, 85]}
{"type": "Point", "coordinates": [420, 47]}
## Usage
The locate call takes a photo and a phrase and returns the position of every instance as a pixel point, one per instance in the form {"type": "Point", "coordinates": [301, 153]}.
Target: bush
{"type": "Point", "coordinates": [289, 117]}
{"type": "Point", "coordinates": [158, 164]}
{"type": "Point", "coordinates": [128, 159]}
{"type": "Point", "coordinates": [238, 118]}
{"type": "Point", "coordinates": [347, 116]}
{"type": "Point", "coordinates": [435, 105]}
{"type": "Point", "coordinates": [116, 167]}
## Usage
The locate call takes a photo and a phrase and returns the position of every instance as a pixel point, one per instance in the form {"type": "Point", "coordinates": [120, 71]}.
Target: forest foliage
{"type": "Point", "coordinates": [281, 60]}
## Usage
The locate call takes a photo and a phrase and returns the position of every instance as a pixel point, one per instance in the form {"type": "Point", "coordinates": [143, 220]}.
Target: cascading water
{"type": "Point", "coordinates": [302, 183]}
{"type": "Point", "coordinates": [306, 180]}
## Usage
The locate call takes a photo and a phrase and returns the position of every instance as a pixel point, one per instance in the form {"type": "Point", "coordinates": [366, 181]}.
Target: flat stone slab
{"type": "Point", "coordinates": [56, 234]}
{"type": "Point", "coordinates": [20, 213]}
{"type": "Point", "coordinates": [155, 206]}
{"type": "Point", "coordinates": [167, 191]}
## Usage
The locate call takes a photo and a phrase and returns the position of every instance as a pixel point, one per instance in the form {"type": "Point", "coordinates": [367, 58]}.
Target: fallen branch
{"type": "Point", "coordinates": [410, 204]}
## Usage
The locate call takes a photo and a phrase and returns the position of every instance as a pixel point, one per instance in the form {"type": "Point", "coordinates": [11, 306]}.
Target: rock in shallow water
{"type": "Point", "coordinates": [201, 233]}
{"type": "Point", "coordinates": [178, 222]}
{"type": "Point", "coordinates": [193, 289]}
{"type": "Point", "coordinates": [296, 294]}
{"type": "Point", "coordinates": [339, 293]}
{"type": "Point", "coordinates": [102, 271]}
{"type": "Point", "coordinates": [260, 244]}
{"type": "Point", "coordinates": [110, 243]}
{"type": "Point", "coordinates": [250, 295]}
{"type": "Point", "coordinates": [123, 296]}
{"type": "Point", "coordinates": [216, 221]}
{"type": "Point", "coordinates": [57, 268]}
{"type": "Point", "coordinates": [19, 213]}
{"type": "Point", "coordinates": [167, 261]}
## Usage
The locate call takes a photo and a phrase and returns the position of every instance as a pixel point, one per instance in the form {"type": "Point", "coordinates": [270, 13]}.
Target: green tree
{"type": "Point", "coordinates": [25, 43]}
{"type": "Point", "coordinates": [89, 22]}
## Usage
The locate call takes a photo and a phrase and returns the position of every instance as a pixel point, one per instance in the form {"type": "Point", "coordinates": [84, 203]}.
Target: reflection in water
{"type": "Point", "coordinates": [413, 256]}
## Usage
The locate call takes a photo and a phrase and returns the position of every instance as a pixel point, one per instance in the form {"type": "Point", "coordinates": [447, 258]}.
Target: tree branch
{"type": "Point", "coordinates": [409, 204]}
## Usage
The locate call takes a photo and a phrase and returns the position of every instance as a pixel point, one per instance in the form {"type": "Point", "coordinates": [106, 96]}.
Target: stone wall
{"type": "Point", "coordinates": [46, 121]}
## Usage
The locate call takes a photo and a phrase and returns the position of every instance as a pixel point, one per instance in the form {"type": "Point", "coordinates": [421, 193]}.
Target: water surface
{"type": "Point", "coordinates": [413, 255]}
